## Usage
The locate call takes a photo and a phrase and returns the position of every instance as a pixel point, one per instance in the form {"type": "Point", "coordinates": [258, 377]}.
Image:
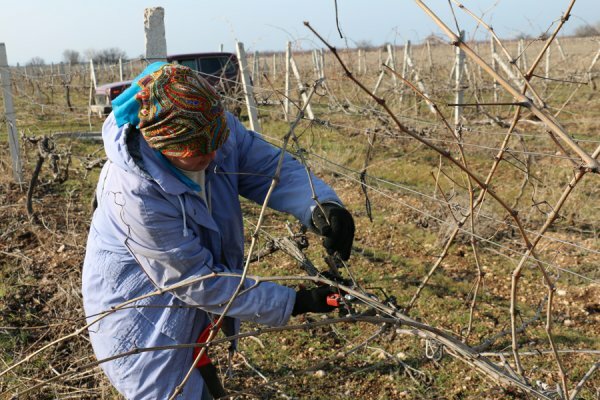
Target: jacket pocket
{"type": "Point", "coordinates": [168, 315]}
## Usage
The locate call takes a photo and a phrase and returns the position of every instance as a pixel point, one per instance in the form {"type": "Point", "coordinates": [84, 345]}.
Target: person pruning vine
{"type": "Point", "coordinates": [168, 212]}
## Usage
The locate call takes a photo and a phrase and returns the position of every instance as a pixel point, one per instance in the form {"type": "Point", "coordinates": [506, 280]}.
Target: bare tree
{"type": "Point", "coordinates": [36, 62]}
{"type": "Point", "coordinates": [106, 56]}
{"type": "Point", "coordinates": [72, 56]}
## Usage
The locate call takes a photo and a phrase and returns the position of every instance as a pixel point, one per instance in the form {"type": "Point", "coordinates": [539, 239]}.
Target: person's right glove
{"type": "Point", "coordinates": [339, 232]}
{"type": "Point", "coordinates": [313, 300]}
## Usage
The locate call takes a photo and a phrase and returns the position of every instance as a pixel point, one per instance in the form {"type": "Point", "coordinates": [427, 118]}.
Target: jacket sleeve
{"type": "Point", "coordinates": [171, 254]}
{"type": "Point", "coordinates": [258, 161]}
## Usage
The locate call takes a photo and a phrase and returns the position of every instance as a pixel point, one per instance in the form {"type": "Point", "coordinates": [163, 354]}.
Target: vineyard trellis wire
{"type": "Point", "coordinates": [452, 191]}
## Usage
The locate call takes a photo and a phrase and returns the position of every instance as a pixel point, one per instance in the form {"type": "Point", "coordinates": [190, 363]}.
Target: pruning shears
{"type": "Point", "coordinates": [343, 301]}
{"type": "Point", "coordinates": [334, 300]}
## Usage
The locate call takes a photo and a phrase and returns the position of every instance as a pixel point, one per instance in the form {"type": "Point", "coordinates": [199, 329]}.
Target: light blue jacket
{"type": "Point", "coordinates": [151, 230]}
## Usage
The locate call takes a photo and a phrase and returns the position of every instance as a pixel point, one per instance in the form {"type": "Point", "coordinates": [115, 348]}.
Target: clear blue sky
{"type": "Point", "coordinates": [45, 28]}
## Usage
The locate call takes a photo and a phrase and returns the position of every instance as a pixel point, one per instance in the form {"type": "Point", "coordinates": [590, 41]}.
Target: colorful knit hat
{"type": "Point", "coordinates": [180, 113]}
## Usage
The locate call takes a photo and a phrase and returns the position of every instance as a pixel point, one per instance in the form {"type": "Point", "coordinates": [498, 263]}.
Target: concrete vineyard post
{"type": "Point", "coordinates": [256, 69]}
{"type": "Point", "coordinates": [404, 68]}
{"type": "Point", "coordinates": [302, 88]}
{"type": "Point", "coordinates": [547, 70]}
{"type": "Point", "coordinates": [286, 100]}
{"type": "Point", "coordinates": [392, 63]}
{"type": "Point", "coordinates": [10, 116]}
{"type": "Point", "coordinates": [460, 67]}
{"type": "Point", "coordinates": [154, 33]}
{"type": "Point", "coordinates": [248, 89]}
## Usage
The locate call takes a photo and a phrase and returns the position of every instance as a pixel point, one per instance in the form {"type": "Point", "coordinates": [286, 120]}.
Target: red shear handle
{"type": "Point", "coordinates": [334, 300]}
{"type": "Point", "coordinates": [204, 360]}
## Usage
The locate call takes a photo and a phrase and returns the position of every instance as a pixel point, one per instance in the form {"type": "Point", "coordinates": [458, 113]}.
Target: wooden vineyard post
{"type": "Point", "coordinates": [10, 116]}
{"type": "Point", "coordinates": [248, 89]}
{"type": "Point", "coordinates": [66, 78]}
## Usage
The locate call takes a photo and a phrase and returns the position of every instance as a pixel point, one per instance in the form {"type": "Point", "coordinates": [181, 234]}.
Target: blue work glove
{"type": "Point", "coordinates": [339, 233]}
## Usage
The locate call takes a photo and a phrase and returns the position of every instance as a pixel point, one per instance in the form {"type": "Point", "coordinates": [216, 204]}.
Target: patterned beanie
{"type": "Point", "coordinates": [180, 113]}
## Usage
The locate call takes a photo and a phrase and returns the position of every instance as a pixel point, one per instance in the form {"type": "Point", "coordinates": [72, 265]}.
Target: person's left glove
{"type": "Point", "coordinates": [313, 300]}
{"type": "Point", "coordinates": [339, 232]}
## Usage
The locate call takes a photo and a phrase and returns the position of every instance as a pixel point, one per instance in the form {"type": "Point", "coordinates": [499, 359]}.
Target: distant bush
{"type": "Point", "coordinates": [523, 35]}
{"type": "Point", "coordinates": [365, 45]}
{"type": "Point", "coordinates": [588, 30]}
